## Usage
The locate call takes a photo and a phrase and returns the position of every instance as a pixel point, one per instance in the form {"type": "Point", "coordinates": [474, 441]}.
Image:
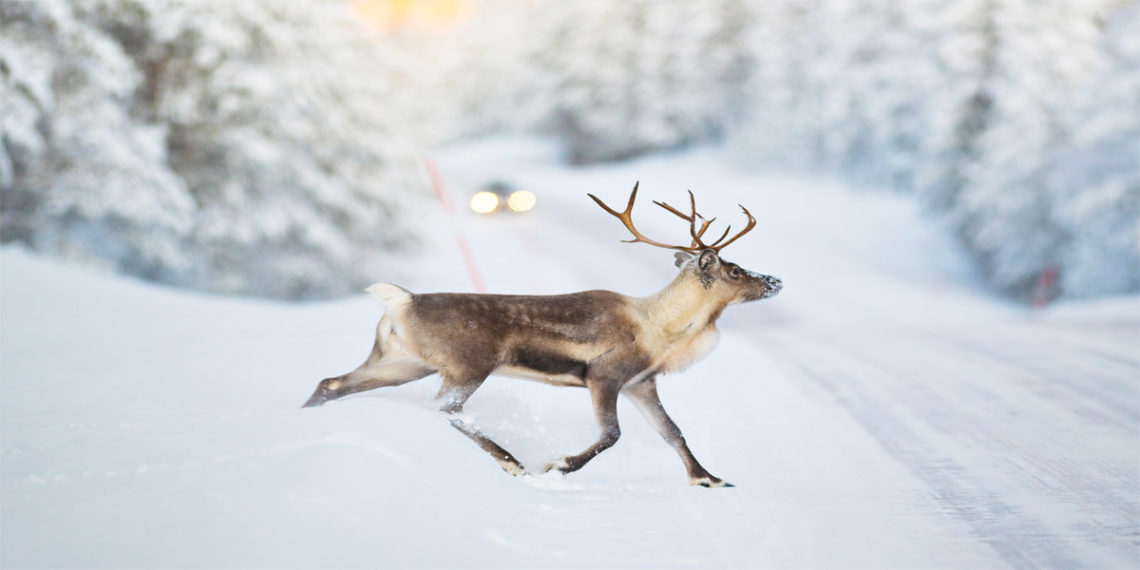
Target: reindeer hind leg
{"type": "Point", "coordinates": [452, 395]}
{"type": "Point", "coordinates": [382, 369]}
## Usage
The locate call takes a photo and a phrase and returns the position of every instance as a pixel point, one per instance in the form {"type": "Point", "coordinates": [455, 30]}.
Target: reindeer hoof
{"type": "Point", "coordinates": [561, 465]}
{"type": "Point", "coordinates": [710, 481]}
{"type": "Point", "coordinates": [514, 469]}
{"type": "Point", "coordinates": [314, 401]}
{"type": "Point", "coordinates": [326, 391]}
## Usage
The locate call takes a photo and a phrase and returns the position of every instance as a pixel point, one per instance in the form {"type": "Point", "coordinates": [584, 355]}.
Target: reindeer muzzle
{"type": "Point", "coordinates": [774, 285]}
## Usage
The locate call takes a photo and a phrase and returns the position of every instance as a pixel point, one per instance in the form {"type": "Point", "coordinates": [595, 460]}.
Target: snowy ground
{"type": "Point", "coordinates": [882, 411]}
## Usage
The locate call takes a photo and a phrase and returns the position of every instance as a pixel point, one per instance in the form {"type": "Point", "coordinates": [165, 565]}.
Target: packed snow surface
{"type": "Point", "coordinates": [882, 411]}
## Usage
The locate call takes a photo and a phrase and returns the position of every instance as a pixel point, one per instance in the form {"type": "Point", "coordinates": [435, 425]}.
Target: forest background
{"type": "Point", "coordinates": [277, 148]}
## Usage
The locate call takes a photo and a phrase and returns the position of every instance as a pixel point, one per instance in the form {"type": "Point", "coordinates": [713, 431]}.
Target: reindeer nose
{"type": "Point", "coordinates": [774, 284]}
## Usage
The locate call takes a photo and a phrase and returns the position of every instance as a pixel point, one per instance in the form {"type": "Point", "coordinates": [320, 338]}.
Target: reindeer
{"type": "Point", "coordinates": [603, 341]}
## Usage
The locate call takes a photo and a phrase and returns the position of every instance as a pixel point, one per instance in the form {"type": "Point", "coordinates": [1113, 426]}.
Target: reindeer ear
{"type": "Point", "coordinates": [680, 258]}
{"type": "Point", "coordinates": [708, 260]}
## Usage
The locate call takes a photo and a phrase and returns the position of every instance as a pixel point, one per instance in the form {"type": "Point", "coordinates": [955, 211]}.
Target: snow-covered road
{"type": "Point", "coordinates": [881, 412]}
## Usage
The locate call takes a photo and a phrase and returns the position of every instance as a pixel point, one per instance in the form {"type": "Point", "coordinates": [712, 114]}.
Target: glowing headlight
{"type": "Point", "coordinates": [520, 201]}
{"type": "Point", "coordinates": [484, 202]}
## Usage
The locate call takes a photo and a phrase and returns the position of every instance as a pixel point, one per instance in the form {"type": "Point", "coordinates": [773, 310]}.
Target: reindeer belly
{"type": "Point", "coordinates": [557, 367]}
{"type": "Point", "coordinates": [545, 378]}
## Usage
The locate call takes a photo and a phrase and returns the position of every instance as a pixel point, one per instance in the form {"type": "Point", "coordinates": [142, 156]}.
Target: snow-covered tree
{"type": "Point", "coordinates": [641, 76]}
{"type": "Point", "coordinates": [980, 106]}
{"type": "Point", "coordinates": [82, 177]}
{"type": "Point", "coordinates": [875, 104]}
{"type": "Point", "coordinates": [1094, 180]}
{"type": "Point", "coordinates": [1004, 209]}
{"type": "Point", "coordinates": [840, 86]}
{"type": "Point", "coordinates": [783, 98]}
{"type": "Point", "coordinates": [960, 101]}
{"type": "Point", "coordinates": [238, 147]}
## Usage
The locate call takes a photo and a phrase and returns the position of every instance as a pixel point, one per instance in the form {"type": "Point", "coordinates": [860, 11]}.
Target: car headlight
{"type": "Point", "coordinates": [520, 201]}
{"type": "Point", "coordinates": [484, 202]}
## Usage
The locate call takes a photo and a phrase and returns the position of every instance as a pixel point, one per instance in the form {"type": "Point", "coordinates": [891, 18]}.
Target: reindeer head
{"type": "Point", "coordinates": [720, 277]}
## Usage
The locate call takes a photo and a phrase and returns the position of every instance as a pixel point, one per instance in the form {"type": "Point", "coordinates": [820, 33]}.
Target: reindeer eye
{"type": "Point", "coordinates": [735, 272]}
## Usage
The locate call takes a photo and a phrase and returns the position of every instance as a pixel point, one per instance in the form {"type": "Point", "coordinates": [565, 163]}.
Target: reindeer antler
{"type": "Point", "coordinates": [697, 245]}
{"type": "Point", "coordinates": [627, 219]}
{"type": "Point", "coordinates": [694, 216]}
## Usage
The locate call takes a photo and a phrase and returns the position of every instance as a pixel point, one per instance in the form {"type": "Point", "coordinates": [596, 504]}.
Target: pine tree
{"type": "Point", "coordinates": [235, 147]}
{"type": "Point", "coordinates": [1004, 208]}
{"type": "Point", "coordinates": [961, 103]}
{"type": "Point", "coordinates": [782, 110]}
{"type": "Point", "coordinates": [1094, 183]}
{"type": "Point", "coordinates": [643, 76]}
{"type": "Point", "coordinates": [85, 179]}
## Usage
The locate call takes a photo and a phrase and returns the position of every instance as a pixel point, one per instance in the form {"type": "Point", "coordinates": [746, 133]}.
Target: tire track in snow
{"type": "Point", "coordinates": [1069, 449]}
{"type": "Point", "coordinates": [1074, 456]}
{"type": "Point", "coordinates": [965, 499]}
{"type": "Point", "coordinates": [1105, 386]}
{"type": "Point", "coordinates": [936, 427]}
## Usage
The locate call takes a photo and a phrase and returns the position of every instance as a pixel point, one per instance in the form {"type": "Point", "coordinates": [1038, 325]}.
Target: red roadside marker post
{"type": "Point", "coordinates": [449, 207]}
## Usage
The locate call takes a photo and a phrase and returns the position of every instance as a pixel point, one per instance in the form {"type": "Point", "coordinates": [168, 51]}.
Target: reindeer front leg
{"type": "Point", "coordinates": [604, 394]}
{"type": "Point", "coordinates": [644, 394]}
